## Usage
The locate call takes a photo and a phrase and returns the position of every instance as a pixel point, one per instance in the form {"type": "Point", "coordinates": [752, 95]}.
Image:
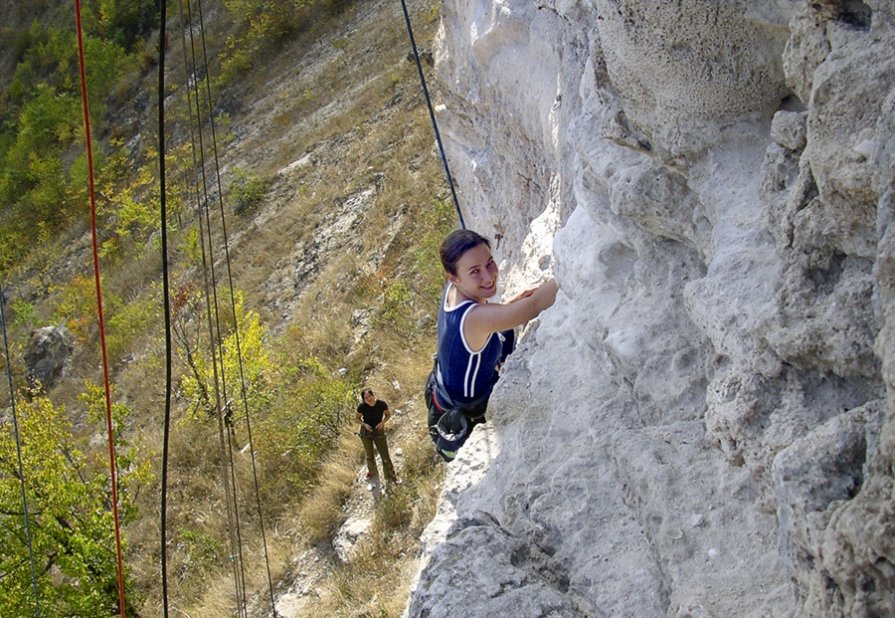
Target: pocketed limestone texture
{"type": "Point", "coordinates": [704, 422]}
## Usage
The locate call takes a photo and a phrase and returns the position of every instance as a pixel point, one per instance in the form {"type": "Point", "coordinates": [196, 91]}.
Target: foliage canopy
{"type": "Point", "coordinates": [69, 505]}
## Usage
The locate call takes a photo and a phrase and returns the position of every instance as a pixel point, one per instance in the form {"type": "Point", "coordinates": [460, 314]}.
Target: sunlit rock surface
{"type": "Point", "coordinates": [704, 423]}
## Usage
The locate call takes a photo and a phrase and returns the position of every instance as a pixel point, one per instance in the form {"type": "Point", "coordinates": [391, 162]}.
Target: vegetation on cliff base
{"type": "Point", "coordinates": [300, 372]}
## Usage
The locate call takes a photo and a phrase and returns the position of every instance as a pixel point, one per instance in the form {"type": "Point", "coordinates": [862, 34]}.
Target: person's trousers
{"type": "Point", "coordinates": [378, 440]}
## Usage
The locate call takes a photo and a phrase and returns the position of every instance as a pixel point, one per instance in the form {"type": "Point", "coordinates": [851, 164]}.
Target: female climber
{"type": "Point", "coordinates": [474, 337]}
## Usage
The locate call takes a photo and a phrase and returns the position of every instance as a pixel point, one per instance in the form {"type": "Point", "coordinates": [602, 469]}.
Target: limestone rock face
{"type": "Point", "coordinates": [704, 422]}
{"type": "Point", "coordinates": [47, 353]}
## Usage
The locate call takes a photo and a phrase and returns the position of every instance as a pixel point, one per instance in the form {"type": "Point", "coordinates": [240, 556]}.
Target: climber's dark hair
{"type": "Point", "coordinates": [456, 244]}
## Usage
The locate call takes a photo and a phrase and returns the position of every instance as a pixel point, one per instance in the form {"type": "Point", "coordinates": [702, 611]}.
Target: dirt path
{"type": "Point", "coordinates": [304, 584]}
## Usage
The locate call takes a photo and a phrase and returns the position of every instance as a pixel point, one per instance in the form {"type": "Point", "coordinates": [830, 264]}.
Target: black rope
{"type": "Point", "coordinates": [419, 68]}
{"type": "Point", "coordinates": [167, 301]}
{"type": "Point", "coordinates": [244, 393]}
{"type": "Point", "coordinates": [15, 427]}
{"type": "Point", "coordinates": [243, 608]}
{"type": "Point", "coordinates": [213, 318]}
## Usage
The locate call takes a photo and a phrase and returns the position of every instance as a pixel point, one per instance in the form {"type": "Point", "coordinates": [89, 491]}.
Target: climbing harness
{"type": "Point", "coordinates": [450, 423]}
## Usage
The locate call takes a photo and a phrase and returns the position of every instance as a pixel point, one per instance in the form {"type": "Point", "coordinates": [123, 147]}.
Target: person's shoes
{"type": "Point", "coordinates": [369, 476]}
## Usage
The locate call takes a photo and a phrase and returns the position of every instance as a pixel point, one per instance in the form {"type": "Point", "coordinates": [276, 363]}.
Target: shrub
{"type": "Point", "coordinates": [76, 306]}
{"type": "Point", "coordinates": [129, 320]}
{"type": "Point", "coordinates": [23, 313]}
{"type": "Point", "coordinates": [203, 550]}
{"type": "Point", "coordinates": [249, 361]}
{"type": "Point", "coordinates": [246, 191]}
{"type": "Point", "coordinates": [304, 424]}
{"type": "Point", "coordinates": [396, 305]}
{"type": "Point", "coordinates": [126, 21]}
{"type": "Point", "coordinates": [396, 510]}
{"type": "Point", "coordinates": [437, 222]}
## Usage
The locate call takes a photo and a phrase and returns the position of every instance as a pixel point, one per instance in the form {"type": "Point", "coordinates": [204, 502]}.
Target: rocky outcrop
{"type": "Point", "coordinates": [703, 424]}
{"type": "Point", "coordinates": [47, 353]}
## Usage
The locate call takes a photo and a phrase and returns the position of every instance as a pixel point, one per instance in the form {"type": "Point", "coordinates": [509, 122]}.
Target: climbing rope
{"type": "Point", "coordinates": [210, 287]}
{"type": "Point", "coordinates": [419, 68]}
{"type": "Point", "coordinates": [99, 306]}
{"type": "Point", "coordinates": [231, 287]}
{"type": "Point", "coordinates": [15, 429]}
{"type": "Point", "coordinates": [166, 301]}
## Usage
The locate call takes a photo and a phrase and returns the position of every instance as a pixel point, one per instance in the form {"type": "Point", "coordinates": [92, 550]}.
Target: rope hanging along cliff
{"type": "Point", "coordinates": [166, 302]}
{"type": "Point", "coordinates": [231, 289]}
{"type": "Point", "coordinates": [210, 278]}
{"type": "Point", "coordinates": [210, 287]}
{"type": "Point", "coordinates": [444, 160]}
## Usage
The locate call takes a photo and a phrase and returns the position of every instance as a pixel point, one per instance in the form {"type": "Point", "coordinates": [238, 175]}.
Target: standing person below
{"type": "Point", "coordinates": [372, 414]}
{"type": "Point", "coordinates": [471, 337]}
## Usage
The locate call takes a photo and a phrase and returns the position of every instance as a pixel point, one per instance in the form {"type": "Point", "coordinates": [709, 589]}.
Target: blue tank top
{"type": "Point", "coordinates": [464, 374]}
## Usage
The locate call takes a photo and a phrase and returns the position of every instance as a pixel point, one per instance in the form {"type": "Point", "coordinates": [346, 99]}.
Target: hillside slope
{"type": "Point", "coordinates": [334, 270]}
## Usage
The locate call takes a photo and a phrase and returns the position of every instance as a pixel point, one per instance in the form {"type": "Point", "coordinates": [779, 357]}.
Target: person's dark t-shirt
{"type": "Point", "coordinates": [372, 415]}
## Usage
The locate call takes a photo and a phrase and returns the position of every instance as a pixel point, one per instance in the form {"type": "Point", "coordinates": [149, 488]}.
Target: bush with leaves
{"type": "Point", "coordinates": [303, 424]}
{"type": "Point", "coordinates": [247, 364]}
{"type": "Point", "coordinates": [75, 306]}
{"type": "Point", "coordinates": [126, 21]}
{"type": "Point", "coordinates": [69, 515]}
{"type": "Point", "coordinates": [41, 133]}
{"type": "Point", "coordinates": [436, 223]}
{"type": "Point", "coordinates": [246, 191]}
{"type": "Point", "coordinates": [260, 25]}
{"type": "Point", "coordinates": [129, 320]}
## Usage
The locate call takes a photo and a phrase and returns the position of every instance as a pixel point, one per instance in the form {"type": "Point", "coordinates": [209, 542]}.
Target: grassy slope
{"type": "Point", "coordinates": [356, 109]}
{"type": "Point", "coordinates": [345, 95]}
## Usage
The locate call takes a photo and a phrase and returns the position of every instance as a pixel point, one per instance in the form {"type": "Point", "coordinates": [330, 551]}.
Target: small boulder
{"type": "Point", "coordinates": [47, 354]}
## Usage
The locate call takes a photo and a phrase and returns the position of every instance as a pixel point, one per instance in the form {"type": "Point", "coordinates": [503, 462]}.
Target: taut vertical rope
{"type": "Point", "coordinates": [419, 68]}
{"type": "Point", "coordinates": [215, 335]}
{"type": "Point", "coordinates": [167, 300]}
{"type": "Point", "coordinates": [15, 428]}
{"type": "Point", "coordinates": [99, 307]}
{"type": "Point", "coordinates": [242, 379]}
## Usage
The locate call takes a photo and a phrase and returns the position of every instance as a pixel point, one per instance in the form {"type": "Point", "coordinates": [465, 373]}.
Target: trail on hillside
{"type": "Point", "coordinates": [305, 582]}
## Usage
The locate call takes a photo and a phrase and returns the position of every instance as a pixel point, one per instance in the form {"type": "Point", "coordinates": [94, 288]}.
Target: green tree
{"type": "Point", "coordinates": [41, 131]}
{"type": "Point", "coordinates": [71, 523]}
{"type": "Point", "coordinates": [127, 21]}
{"type": "Point", "coordinates": [32, 182]}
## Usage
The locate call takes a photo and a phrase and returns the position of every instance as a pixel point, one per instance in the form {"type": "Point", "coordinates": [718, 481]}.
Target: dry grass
{"type": "Point", "coordinates": [386, 560]}
{"type": "Point", "coordinates": [379, 128]}
{"type": "Point", "coordinates": [321, 513]}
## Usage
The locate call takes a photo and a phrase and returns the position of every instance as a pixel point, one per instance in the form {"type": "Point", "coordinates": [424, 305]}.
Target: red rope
{"type": "Point", "coordinates": [99, 304]}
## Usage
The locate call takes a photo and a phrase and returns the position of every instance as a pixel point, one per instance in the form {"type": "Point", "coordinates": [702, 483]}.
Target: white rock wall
{"type": "Point", "coordinates": [703, 424]}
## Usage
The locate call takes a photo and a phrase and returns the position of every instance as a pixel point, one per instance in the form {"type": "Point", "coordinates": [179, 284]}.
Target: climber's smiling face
{"type": "Point", "coordinates": [476, 276]}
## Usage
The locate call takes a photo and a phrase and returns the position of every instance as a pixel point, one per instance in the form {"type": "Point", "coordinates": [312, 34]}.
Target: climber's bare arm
{"type": "Point", "coordinates": [489, 318]}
